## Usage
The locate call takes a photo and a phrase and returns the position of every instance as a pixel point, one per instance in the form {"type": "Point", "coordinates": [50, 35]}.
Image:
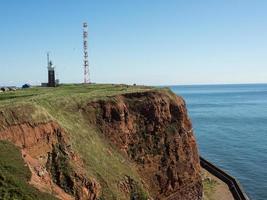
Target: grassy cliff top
{"type": "Point", "coordinates": [62, 104]}
{"type": "Point", "coordinates": [80, 91]}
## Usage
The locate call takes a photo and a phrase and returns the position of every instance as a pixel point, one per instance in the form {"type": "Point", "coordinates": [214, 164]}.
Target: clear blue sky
{"type": "Point", "coordinates": [142, 41]}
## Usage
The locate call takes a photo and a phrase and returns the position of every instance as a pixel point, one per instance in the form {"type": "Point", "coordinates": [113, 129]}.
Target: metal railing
{"type": "Point", "coordinates": [235, 188]}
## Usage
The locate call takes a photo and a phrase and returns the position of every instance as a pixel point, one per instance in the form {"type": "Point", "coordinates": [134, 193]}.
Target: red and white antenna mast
{"type": "Point", "coordinates": [85, 53]}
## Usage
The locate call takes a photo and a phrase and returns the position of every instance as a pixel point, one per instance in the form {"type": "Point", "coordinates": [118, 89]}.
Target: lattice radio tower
{"type": "Point", "coordinates": [85, 53]}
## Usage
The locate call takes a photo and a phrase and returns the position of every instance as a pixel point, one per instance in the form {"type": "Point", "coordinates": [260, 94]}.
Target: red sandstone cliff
{"type": "Point", "coordinates": [45, 149]}
{"type": "Point", "coordinates": [151, 128]}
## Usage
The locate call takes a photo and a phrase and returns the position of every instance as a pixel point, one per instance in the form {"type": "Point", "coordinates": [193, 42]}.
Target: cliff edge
{"type": "Point", "coordinates": [103, 142]}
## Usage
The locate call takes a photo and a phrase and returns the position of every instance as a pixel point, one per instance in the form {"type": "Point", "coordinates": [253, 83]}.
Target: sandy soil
{"type": "Point", "coordinates": [214, 188]}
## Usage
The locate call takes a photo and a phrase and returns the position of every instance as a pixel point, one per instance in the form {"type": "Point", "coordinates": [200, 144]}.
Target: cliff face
{"type": "Point", "coordinates": [150, 129]}
{"type": "Point", "coordinates": [45, 149]}
{"type": "Point", "coordinates": [154, 131]}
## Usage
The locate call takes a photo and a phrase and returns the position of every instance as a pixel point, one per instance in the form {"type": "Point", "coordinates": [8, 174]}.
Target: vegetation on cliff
{"type": "Point", "coordinates": [108, 131]}
{"type": "Point", "coordinates": [14, 176]}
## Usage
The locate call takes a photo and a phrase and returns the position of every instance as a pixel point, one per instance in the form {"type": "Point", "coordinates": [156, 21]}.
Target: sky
{"type": "Point", "coordinates": [151, 42]}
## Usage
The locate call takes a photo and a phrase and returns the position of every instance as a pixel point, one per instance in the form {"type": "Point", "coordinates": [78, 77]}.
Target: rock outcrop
{"type": "Point", "coordinates": [154, 130]}
{"type": "Point", "coordinates": [46, 151]}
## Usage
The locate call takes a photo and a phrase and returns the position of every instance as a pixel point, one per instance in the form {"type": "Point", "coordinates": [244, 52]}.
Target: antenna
{"type": "Point", "coordinates": [85, 53]}
{"type": "Point", "coordinates": [47, 59]}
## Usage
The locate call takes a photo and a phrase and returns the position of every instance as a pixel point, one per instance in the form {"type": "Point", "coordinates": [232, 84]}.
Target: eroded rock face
{"type": "Point", "coordinates": [153, 130]}
{"type": "Point", "coordinates": [46, 151]}
{"type": "Point", "coordinates": [69, 176]}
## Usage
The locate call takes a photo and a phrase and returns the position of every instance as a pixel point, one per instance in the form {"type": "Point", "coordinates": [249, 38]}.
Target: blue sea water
{"type": "Point", "coordinates": [230, 123]}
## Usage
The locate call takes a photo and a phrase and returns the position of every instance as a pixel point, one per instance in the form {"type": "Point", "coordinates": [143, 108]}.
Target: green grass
{"type": "Point", "coordinates": [209, 186]}
{"type": "Point", "coordinates": [62, 104]}
{"type": "Point", "coordinates": [14, 176]}
{"type": "Point", "coordinates": [69, 91]}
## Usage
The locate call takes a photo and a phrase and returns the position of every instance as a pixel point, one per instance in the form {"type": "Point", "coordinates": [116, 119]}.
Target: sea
{"type": "Point", "coordinates": [230, 124]}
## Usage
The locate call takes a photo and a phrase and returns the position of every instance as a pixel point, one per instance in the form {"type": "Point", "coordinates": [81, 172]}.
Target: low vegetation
{"type": "Point", "coordinates": [69, 91]}
{"type": "Point", "coordinates": [14, 176]}
{"type": "Point", "coordinates": [209, 186]}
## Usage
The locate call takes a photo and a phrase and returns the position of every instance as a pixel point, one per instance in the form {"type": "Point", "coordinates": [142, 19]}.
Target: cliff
{"type": "Point", "coordinates": [104, 142]}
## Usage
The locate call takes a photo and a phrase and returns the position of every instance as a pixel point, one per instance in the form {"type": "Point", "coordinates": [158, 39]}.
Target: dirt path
{"type": "Point", "coordinates": [214, 188]}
